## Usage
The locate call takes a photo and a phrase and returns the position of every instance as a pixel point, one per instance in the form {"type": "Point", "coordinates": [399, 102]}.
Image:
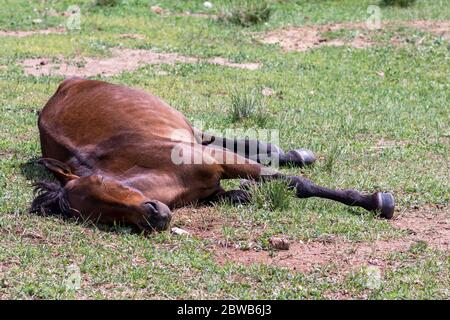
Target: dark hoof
{"type": "Point", "coordinates": [385, 204]}
{"type": "Point", "coordinates": [303, 157]}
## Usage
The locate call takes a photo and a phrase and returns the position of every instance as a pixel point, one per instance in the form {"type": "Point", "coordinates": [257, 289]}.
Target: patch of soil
{"type": "Point", "coordinates": [382, 144]}
{"type": "Point", "coordinates": [440, 28]}
{"type": "Point", "coordinates": [225, 62]}
{"type": "Point", "coordinates": [429, 225]}
{"type": "Point", "coordinates": [310, 36]}
{"type": "Point", "coordinates": [22, 34]}
{"type": "Point", "coordinates": [423, 226]}
{"type": "Point", "coordinates": [121, 60]}
{"type": "Point", "coordinates": [134, 36]}
{"type": "Point", "coordinates": [202, 221]}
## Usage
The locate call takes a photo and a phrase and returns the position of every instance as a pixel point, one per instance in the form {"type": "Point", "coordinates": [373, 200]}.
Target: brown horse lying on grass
{"type": "Point", "coordinates": [116, 153]}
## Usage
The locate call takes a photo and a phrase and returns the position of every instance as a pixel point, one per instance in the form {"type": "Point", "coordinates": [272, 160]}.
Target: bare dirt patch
{"type": "Point", "coordinates": [134, 36]}
{"type": "Point", "coordinates": [430, 226]}
{"type": "Point", "coordinates": [440, 28]}
{"type": "Point", "coordinates": [121, 60]}
{"type": "Point", "coordinates": [202, 221]}
{"type": "Point", "coordinates": [432, 230]}
{"type": "Point", "coordinates": [49, 31]}
{"type": "Point", "coordinates": [383, 144]}
{"type": "Point", "coordinates": [309, 37]}
{"type": "Point", "coordinates": [312, 36]}
{"type": "Point", "coordinates": [22, 34]}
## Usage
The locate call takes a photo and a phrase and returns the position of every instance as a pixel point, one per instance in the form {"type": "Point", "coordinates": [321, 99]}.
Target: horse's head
{"type": "Point", "coordinates": [97, 198]}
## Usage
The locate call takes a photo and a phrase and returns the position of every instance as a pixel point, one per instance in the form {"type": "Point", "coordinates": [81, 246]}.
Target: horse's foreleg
{"type": "Point", "coordinates": [378, 201]}
{"type": "Point", "coordinates": [232, 196]}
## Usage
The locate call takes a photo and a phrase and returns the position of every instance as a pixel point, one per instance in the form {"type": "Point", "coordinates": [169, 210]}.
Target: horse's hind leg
{"type": "Point", "coordinates": [259, 151]}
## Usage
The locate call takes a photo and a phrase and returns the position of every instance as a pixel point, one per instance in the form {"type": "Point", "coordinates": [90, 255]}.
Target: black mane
{"type": "Point", "coordinates": [51, 199]}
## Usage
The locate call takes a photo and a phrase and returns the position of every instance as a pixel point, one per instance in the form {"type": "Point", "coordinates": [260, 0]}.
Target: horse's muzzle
{"type": "Point", "coordinates": [158, 215]}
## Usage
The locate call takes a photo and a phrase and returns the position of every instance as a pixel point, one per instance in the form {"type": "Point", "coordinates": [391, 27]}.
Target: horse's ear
{"type": "Point", "coordinates": [61, 170]}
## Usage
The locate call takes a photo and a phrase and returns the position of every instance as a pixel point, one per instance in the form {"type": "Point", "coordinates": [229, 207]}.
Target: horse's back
{"type": "Point", "coordinates": [89, 111]}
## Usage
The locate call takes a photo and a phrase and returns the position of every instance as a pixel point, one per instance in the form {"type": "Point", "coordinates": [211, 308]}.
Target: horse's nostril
{"type": "Point", "coordinates": [152, 206]}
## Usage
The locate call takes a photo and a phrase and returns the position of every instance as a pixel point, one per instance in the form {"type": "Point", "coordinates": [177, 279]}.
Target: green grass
{"type": "Point", "coordinates": [413, 275]}
{"type": "Point", "coordinates": [370, 133]}
{"type": "Point", "coordinates": [246, 13]}
{"type": "Point", "coordinates": [400, 3]}
{"type": "Point", "coordinates": [248, 105]}
{"type": "Point", "coordinates": [107, 3]}
{"type": "Point", "coordinates": [272, 196]}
